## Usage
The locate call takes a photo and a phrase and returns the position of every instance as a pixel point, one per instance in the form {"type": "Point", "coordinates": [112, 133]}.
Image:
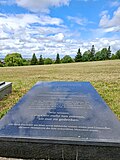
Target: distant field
{"type": "Point", "coordinates": [104, 76]}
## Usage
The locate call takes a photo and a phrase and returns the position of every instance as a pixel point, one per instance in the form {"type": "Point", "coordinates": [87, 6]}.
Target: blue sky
{"type": "Point", "coordinates": [48, 27]}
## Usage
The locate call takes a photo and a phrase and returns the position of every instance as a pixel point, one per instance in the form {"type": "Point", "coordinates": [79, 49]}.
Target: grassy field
{"type": "Point", "coordinates": [104, 76]}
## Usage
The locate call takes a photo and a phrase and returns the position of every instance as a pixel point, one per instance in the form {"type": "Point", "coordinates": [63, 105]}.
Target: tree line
{"type": "Point", "coordinates": [15, 59]}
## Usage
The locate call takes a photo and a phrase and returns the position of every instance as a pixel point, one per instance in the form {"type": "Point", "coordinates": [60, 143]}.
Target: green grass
{"type": "Point", "coordinates": [104, 76]}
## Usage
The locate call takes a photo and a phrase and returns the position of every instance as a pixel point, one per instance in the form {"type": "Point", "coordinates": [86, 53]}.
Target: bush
{"type": "Point", "coordinates": [48, 61]}
{"type": "Point", "coordinates": [67, 59]}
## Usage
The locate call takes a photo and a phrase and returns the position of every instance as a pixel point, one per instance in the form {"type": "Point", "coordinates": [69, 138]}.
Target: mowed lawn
{"type": "Point", "coordinates": [104, 76]}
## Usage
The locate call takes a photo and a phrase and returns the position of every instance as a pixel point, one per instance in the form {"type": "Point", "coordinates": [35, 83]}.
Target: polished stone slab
{"type": "Point", "coordinates": [5, 89]}
{"type": "Point", "coordinates": [61, 120]}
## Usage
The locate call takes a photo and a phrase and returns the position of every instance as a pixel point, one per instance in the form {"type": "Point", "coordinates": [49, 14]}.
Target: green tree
{"type": "Point", "coordinates": [92, 53]}
{"type": "Point", "coordinates": [48, 61]}
{"type": "Point", "coordinates": [109, 53]}
{"type": "Point", "coordinates": [67, 59]}
{"type": "Point", "coordinates": [78, 57]}
{"type": "Point", "coordinates": [113, 57]}
{"type": "Point", "coordinates": [98, 56]}
{"type": "Point", "coordinates": [26, 62]}
{"type": "Point", "coordinates": [34, 60]}
{"type": "Point", "coordinates": [57, 61]}
{"type": "Point", "coordinates": [86, 56]}
{"type": "Point", "coordinates": [41, 60]}
{"type": "Point", "coordinates": [14, 59]}
{"type": "Point", "coordinates": [118, 54]}
{"type": "Point", "coordinates": [104, 54]}
{"type": "Point", "coordinates": [1, 65]}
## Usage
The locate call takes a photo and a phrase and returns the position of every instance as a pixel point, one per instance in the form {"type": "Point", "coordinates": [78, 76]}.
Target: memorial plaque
{"type": "Point", "coordinates": [61, 120]}
{"type": "Point", "coordinates": [5, 89]}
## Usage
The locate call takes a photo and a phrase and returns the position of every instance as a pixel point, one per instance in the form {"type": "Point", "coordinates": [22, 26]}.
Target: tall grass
{"type": "Point", "coordinates": [104, 76]}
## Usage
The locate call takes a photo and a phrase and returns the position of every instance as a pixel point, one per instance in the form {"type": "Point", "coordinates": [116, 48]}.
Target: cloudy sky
{"type": "Point", "coordinates": [48, 27]}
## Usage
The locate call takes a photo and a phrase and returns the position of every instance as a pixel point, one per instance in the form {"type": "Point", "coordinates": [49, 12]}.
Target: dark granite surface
{"type": "Point", "coordinates": [61, 113]}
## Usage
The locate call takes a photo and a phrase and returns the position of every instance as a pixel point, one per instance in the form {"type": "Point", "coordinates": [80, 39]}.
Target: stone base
{"type": "Point", "coordinates": [5, 89]}
{"type": "Point", "coordinates": [29, 150]}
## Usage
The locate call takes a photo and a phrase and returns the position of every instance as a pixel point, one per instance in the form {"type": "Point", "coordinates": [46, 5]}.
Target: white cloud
{"type": "Point", "coordinates": [41, 5]}
{"type": "Point", "coordinates": [80, 21]}
{"type": "Point", "coordinates": [101, 43]}
{"type": "Point", "coordinates": [28, 33]}
{"type": "Point", "coordinates": [57, 37]}
{"type": "Point", "coordinates": [112, 29]}
{"type": "Point", "coordinates": [18, 21]}
{"type": "Point", "coordinates": [114, 3]}
{"type": "Point", "coordinates": [31, 33]}
{"type": "Point", "coordinates": [112, 24]}
{"type": "Point", "coordinates": [105, 12]}
{"type": "Point", "coordinates": [8, 2]}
